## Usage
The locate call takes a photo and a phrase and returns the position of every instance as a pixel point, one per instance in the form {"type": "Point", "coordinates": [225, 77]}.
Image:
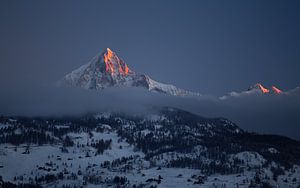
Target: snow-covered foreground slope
{"type": "Point", "coordinates": [16, 163]}
{"type": "Point", "coordinates": [48, 159]}
{"type": "Point", "coordinates": [171, 148]}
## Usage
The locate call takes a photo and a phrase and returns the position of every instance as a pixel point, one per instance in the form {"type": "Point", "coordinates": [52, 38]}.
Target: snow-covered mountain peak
{"type": "Point", "coordinates": [259, 87]}
{"type": "Point", "coordinates": [257, 90]}
{"type": "Point", "coordinates": [276, 90]}
{"type": "Point", "coordinates": [108, 70]}
{"type": "Point", "coordinates": [264, 90]}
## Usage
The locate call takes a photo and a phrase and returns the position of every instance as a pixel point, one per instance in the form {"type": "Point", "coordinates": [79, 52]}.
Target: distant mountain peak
{"type": "Point", "coordinates": [276, 90]}
{"type": "Point", "coordinates": [108, 70]}
{"type": "Point", "coordinates": [257, 89]}
{"type": "Point", "coordinates": [264, 90]}
{"type": "Point", "coordinates": [260, 87]}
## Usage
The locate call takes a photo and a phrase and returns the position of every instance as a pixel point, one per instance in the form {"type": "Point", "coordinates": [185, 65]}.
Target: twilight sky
{"type": "Point", "coordinates": [212, 47]}
{"type": "Point", "coordinates": [208, 46]}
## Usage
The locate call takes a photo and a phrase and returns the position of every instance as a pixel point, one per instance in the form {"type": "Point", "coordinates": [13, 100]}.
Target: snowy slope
{"type": "Point", "coordinates": [166, 148]}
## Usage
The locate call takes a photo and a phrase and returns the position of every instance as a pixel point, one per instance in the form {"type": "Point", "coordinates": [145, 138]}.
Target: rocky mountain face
{"type": "Point", "coordinates": [108, 70]}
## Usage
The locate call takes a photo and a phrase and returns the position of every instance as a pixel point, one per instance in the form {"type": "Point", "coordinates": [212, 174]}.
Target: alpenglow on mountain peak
{"type": "Point", "coordinates": [106, 70]}
{"type": "Point", "coordinates": [265, 90]}
{"type": "Point", "coordinates": [113, 64]}
{"type": "Point", "coordinates": [257, 89]}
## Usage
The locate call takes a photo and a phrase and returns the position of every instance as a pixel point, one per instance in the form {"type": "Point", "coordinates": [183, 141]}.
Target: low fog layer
{"type": "Point", "coordinates": [263, 114]}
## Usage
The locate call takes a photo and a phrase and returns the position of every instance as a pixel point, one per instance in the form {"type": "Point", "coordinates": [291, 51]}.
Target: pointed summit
{"type": "Point", "coordinates": [108, 70]}
{"type": "Point", "coordinates": [260, 87]}
{"type": "Point", "coordinates": [104, 70]}
{"type": "Point", "coordinates": [109, 50]}
{"type": "Point", "coordinates": [276, 90]}
{"type": "Point", "coordinates": [113, 64]}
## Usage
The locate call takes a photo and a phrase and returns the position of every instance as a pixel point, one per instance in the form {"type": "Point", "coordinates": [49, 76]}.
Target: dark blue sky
{"type": "Point", "coordinates": [208, 46]}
